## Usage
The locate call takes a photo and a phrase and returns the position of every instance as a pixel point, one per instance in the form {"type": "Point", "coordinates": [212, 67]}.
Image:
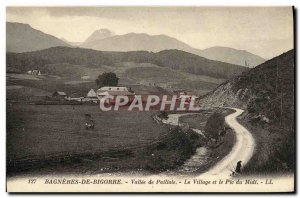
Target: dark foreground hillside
{"type": "Point", "coordinates": [267, 94]}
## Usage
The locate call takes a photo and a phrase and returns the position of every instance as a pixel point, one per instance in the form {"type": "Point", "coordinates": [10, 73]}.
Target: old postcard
{"type": "Point", "coordinates": [150, 99]}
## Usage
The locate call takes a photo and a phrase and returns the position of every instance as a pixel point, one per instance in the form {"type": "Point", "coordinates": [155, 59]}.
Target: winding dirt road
{"type": "Point", "coordinates": [241, 151]}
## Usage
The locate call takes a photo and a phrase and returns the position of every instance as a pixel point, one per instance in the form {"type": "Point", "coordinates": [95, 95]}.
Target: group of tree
{"type": "Point", "coordinates": [215, 125]}
{"type": "Point", "coordinates": [107, 79]}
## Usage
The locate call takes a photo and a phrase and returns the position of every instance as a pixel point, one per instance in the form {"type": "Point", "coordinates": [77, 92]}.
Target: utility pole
{"type": "Point", "coordinates": [292, 123]}
{"type": "Point", "coordinates": [276, 77]}
{"type": "Point", "coordinates": [281, 108]}
{"type": "Point", "coordinates": [293, 97]}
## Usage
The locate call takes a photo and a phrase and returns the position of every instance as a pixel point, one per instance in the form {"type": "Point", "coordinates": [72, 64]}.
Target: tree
{"type": "Point", "coordinates": [107, 79]}
{"type": "Point", "coordinates": [214, 125]}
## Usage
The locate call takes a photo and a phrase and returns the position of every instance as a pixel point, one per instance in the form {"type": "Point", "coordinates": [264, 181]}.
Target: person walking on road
{"type": "Point", "coordinates": [238, 167]}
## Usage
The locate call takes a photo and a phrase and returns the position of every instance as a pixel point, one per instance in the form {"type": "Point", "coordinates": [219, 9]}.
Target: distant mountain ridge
{"type": "Point", "coordinates": [230, 55]}
{"type": "Point", "coordinates": [70, 43]}
{"type": "Point", "coordinates": [137, 42]}
{"type": "Point", "coordinates": [156, 43]}
{"type": "Point", "coordinates": [99, 34]}
{"type": "Point", "coordinates": [23, 38]}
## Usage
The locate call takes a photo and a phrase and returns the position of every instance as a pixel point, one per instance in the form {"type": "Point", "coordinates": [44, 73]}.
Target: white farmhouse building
{"type": "Point", "coordinates": [115, 91]}
{"type": "Point", "coordinates": [91, 94]}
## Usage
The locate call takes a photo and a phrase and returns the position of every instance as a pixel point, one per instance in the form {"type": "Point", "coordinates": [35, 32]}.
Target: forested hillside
{"type": "Point", "coordinates": [175, 59]}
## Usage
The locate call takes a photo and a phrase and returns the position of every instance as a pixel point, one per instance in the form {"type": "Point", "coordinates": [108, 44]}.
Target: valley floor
{"type": "Point", "coordinates": [52, 139]}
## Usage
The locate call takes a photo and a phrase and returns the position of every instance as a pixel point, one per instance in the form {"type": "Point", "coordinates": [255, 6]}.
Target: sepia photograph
{"type": "Point", "coordinates": [150, 99]}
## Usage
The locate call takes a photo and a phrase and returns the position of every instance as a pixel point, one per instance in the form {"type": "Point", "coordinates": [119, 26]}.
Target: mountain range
{"type": "Point", "coordinates": [99, 34]}
{"type": "Point", "coordinates": [23, 38]}
{"type": "Point", "coordinates": [156, 43]}
{"type": "Point", "coordinates": [230, 55]}
{"type": "Point", "coordinates": [69, 42]}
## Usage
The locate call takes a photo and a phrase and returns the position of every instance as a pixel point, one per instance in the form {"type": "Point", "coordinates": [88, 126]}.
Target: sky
{"type": "Point", "coordinates": [265, 31]}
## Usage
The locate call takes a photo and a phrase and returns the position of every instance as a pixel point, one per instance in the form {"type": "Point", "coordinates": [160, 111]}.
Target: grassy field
{"type": "Point", "coordinates": [48, 129]}
{"type": "Point", "coordinates": [52, 139]}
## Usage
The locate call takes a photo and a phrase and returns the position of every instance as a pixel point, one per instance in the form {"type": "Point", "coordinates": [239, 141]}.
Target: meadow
{"type": "Point", "coordinates": [48, 129]}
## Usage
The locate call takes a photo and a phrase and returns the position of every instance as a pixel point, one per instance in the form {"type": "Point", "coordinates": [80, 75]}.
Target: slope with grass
{"type": "Point", "coordinates": [172, 69]}
{"type": "Point", "coordinates": [266, 93]}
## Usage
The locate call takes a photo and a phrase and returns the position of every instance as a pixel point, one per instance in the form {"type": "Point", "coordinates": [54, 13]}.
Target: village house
{"type": "Point", "coordinates": [115, 91]}
{"type": "Point", "coordinates": [59, 95]}
{"type": "Point", "coordinates": [75, 97]}
{"type": "Point", "coordinates": [34, 72]}
{"type": "Point", "coordinates": [85, 77]}
{"type": "Point", "coordinates": [91, 94]}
